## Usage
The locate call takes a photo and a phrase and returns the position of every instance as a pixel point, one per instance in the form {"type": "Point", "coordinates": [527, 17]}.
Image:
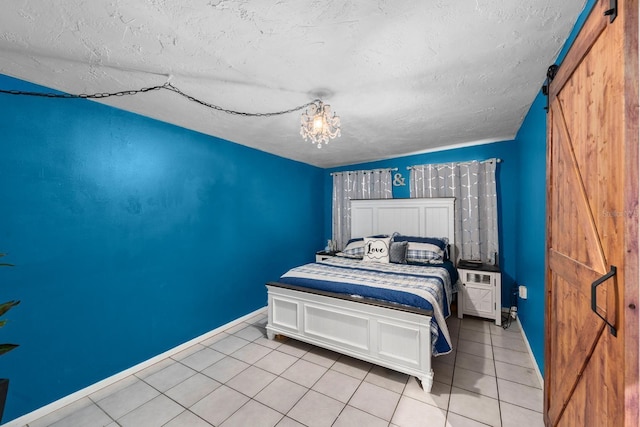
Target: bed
{"type": "Point", "coordinates": [392, 315]}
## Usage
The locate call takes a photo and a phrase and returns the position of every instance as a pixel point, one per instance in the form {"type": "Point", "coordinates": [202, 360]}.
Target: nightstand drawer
{"type": "Point", "coordinates": [477, 277]}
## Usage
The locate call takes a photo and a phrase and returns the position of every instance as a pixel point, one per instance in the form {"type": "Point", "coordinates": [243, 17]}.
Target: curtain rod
{"type": "Point", "coordinates": [498, 160]}
{"type": "Point", "coordinates": [366, 171]}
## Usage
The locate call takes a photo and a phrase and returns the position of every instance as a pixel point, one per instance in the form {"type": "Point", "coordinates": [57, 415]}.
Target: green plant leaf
{"type": "Point", "coordinates": [7, 306]}
{"type": "Point", "coordinates": [5, 348]}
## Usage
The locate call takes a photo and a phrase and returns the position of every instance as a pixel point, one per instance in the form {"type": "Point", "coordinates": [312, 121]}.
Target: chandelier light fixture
{"type": "Point", "coordinates": [318, 124]}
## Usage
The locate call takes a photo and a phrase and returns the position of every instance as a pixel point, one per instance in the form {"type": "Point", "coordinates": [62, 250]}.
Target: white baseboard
{"type": "Point", "coordinates": [53, 406]}
{"type": "Point", "coordinates": [533, 359]}
{"type": "Point", "coordinates": [505, 310]}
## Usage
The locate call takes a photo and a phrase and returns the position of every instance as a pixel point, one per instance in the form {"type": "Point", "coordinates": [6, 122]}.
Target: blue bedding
{"type": "Point", "coordinates": [428, 287]}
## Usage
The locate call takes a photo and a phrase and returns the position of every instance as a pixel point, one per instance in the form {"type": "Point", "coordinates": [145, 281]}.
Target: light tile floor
{"type": "Point", "coordinates": [240, 378]}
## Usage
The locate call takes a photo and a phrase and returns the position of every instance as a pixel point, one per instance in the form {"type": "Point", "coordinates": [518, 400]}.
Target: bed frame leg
{"type": "Point", "coordinates": [427, 382]}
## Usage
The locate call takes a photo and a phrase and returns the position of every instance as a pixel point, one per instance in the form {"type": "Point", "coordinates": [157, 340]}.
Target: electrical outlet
{"type": "Point", "coordinates": [513, 311]}
{"type": "Point", "coordinates": [522, 291]}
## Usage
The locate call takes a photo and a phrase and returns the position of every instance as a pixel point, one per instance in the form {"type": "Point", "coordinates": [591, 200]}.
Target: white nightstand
{"type": "Point", "coordinates": [481, 293]}
{"type": "Point", "coordinates": [322, 255]}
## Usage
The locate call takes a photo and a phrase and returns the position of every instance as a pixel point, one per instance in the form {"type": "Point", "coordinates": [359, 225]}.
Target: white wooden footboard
{"type": "Point", "coordinates": [389, 337]}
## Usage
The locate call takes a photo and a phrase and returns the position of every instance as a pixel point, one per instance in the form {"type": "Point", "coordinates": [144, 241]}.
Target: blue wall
{"type": "Point", "coordinates": [507, 174]}
{"type": "Point", "coordinates": [531, 229]}
{"type": "Point", "coordinates": [531, 235]}
{"type": "Point", "coordinates": [132, 236]}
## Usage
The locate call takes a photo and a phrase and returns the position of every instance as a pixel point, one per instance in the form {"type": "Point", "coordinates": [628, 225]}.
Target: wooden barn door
{"type": "Point", "coordinates": [591, 369]}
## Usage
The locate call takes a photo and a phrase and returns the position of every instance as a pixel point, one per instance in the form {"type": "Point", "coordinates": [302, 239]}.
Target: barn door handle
{"type": "Point", "coordinates": [594, 303]}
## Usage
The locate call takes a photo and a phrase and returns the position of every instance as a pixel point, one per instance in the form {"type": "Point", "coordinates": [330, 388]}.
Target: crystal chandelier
{"type": "Point", "coordinates": [318, 125]}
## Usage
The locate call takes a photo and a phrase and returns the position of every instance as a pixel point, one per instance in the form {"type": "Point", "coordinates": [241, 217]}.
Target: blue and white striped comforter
{"type": "Point", "coordinates": [426, 287]}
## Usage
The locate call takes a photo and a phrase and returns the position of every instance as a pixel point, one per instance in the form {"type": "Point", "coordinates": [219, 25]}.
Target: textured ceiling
{"type": "Point", "coordinates": [404, 76]}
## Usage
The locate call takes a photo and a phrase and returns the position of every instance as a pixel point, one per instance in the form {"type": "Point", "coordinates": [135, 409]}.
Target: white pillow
{"type": "Point", "coordinates": [376, 249]}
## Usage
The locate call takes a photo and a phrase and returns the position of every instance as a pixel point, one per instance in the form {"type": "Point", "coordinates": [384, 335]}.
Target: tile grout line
{"type": "Point", "coordinates": [455, 359]}
{"type": "Point", "coordinates": [523, 338]}
{"type": "Point", "coordinates": [277, 376]}
{"type": "Point", "coordinates": [397, 404]}
{"type": "Point", "coordinates": [225, 383]}
{"type": "Point", "coordinates": [496, 378]}
{"type": "Point", "coordinates": [161, 393]}
{"type": "Point", "coordinates": [306, 392]}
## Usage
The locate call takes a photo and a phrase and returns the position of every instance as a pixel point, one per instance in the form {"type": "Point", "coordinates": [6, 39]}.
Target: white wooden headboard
{"type": "Point", "coordinates": [432, 217]}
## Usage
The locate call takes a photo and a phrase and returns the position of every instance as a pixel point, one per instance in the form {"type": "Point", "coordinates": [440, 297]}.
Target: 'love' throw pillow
{"type": "Point", "coordinates": [376, 249]}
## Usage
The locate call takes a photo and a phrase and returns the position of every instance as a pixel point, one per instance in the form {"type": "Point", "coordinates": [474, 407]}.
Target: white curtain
{"type": "Point", "coordinates": [473, 184]}
{"type": "Point", "coordinates": [359, 185]}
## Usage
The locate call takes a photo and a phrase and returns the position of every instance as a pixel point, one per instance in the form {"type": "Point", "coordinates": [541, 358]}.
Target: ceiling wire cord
{"type": "Point", "coordinates": [166, 86]}
{"type": "Point", "coordinates": [172, 88]}
{"type": "Point", "coordinates": [81, 95]}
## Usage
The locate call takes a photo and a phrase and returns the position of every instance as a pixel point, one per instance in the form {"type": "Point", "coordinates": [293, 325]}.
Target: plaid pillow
{"type": "Point", "coordinates": [354, 249]}
{"type": "Point", "coordinates": [424, 249]}
{"type": "Point", "coordinates": [424, 253]}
